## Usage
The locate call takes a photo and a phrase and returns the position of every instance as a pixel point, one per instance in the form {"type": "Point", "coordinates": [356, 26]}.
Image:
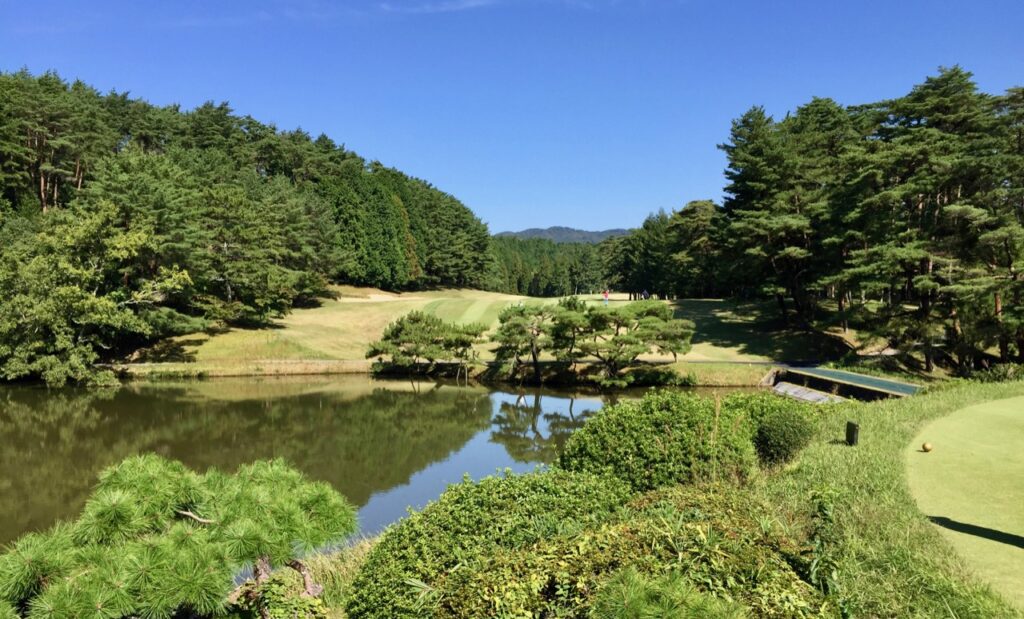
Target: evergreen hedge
{"type": "Point", "coordinates": [411, 570]}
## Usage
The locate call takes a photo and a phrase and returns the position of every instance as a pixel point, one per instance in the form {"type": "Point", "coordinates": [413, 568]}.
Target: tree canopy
{"type": "Point", "coordinates": [122, 222]}
{"type": "Point", "coordinates": [905, 216]}
{"type": "Point", "coordinates": [157, 540]}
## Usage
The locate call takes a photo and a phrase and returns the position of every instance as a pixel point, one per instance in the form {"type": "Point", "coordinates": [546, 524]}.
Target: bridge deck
{"type": "Point", "coordinates": [873, 383]}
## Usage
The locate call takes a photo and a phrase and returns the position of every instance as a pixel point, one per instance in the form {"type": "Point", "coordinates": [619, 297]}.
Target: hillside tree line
{"type": "Point", "coordinates": [904, 217]}
{"type": "Point", "coordinates": [122, 222]}
{"type": "Point", "coordinates": [539, 267]}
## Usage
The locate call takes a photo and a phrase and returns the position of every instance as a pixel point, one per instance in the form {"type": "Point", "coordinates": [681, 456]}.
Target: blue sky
{"type": "Point", "coordinates": [587, 113]}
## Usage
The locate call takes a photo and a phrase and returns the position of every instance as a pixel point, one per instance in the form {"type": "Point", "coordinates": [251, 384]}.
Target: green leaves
{"type": "Point", "coordinates": [424, 558]}
{"type": "Point", "coordinates": [123, 223]}
{"type": "Point", "coordinates": [156, 539]}
{"type": "Point", "coordinates": [615, 336]}
{"type": "Point", "coordinates": [419, 337]}
{"type": "Point", "coordinates": [664, 439]}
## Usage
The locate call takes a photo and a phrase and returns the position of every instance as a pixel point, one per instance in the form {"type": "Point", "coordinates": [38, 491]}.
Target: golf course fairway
{"type": "Point", "coordinates": [971, 485]}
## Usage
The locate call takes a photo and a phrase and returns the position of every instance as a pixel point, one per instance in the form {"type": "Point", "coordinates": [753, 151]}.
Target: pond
{"type": "Point", "coordinates": [385, 445]}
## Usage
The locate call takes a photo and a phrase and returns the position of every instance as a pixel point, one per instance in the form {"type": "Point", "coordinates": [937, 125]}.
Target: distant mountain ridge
{"type": "Point", "coordinates": [562, 234]}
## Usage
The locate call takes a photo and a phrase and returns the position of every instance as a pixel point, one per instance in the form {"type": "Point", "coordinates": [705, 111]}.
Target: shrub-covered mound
{"type": "Point", "coordinates": [410, 572]}
{"type": "Point", "coordinates": [158, 540]}
{"type": "Point", "coordinates": [665, 438]}
{"type": "Point", "coordinates": [632, 595]}
{"type": "Point", "coordinates": [783, 426]}
{"type": "Point", "coordinates": [715, 539]}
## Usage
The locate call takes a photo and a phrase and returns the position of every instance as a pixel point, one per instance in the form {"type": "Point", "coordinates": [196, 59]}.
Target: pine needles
{"type": "Point", "coordinates": [157, 539]}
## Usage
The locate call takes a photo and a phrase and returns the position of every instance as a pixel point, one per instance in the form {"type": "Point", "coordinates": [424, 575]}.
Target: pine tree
{"type": "Point", "coordinates": [158, 540]}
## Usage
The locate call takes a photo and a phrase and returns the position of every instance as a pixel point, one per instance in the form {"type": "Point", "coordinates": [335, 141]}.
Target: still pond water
{"type": "Point", "coordinates": [385, 445]}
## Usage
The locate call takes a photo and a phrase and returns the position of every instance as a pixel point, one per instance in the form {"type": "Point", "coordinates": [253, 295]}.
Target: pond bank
{"type": "Point", "coordinates": [385, 445]}
{"type": "Point", "coordinates": [704, 373]}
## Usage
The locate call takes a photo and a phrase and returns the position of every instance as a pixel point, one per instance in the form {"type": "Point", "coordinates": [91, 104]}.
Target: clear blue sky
{"type": "Point", "coordinates": [587, 113]}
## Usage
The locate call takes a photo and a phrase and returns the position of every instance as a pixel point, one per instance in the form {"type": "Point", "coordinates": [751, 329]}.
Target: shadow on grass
{"type": "Point", "coordinates": [170, 351]}
{"type": "Point", "coordinates": [978, 531]}
{"type": "Point", "coordinates": [754, 329]}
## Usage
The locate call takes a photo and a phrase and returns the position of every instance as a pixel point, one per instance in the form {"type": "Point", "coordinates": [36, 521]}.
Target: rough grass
{"type": "Point", "coordinates": [892, 562]}
{"type": "Point", "coordinates": [970, 485]}
{"type": "Point", "coordinates": [722, 374]}
{"type": "Point", "coordinates": [336, 571]}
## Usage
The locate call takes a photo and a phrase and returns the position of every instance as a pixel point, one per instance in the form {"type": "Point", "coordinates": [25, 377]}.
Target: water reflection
{"type": "Point", "coordinates": [384, 445]}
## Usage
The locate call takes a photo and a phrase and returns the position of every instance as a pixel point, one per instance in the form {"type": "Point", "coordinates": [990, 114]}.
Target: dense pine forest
{"type": "Point", "coordinates": [122, 222]}
{"type": "Point", "coordinates": [904, 218]}
{"type": "Point", "coordinates": [543, 268]}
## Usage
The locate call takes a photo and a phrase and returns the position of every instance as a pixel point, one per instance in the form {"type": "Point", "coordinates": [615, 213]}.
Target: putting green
{"type": "Point", "coordinates": [972, 487]}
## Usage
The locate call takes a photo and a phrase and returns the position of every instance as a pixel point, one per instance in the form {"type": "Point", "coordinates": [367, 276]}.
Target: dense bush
{"type": "Point", "coordinates": [632, 595]}
{"type": "Point", "coordinates": [1000, 373]}
{"type": "Point", "coordinates": [665, 438]}
{"type": "Point", "coordinates": [411, 567]}
{"type": "Point", "coordinates": [156, 540]}
{"type": "Point", "coordinates": [715, 538]}
{"type": "Point", "coordinates": [281, 596]}
{"type": "Point", "coordinates": [783, 425]}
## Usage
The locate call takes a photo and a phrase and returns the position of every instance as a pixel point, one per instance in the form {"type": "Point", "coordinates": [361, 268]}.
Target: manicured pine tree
{"type": "Point", "coordinates": [157, 540]}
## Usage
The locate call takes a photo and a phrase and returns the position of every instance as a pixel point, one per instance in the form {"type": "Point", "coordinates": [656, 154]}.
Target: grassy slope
{"type": "Point", "coordinates": [894, 562]}
{"type": "Point", "coordinates": [333, 337]}
{"type": "Point", "coordinates": [974, 479]}
{"type": "Point", "coordinates": [730, 331]}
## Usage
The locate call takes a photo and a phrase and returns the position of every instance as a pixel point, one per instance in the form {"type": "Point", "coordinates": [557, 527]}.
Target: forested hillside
{"type": "Point", "coordinates": [905, 217]}
{"type": "Point", "coordinates": [542, 268]}
{"type": "Point", "coordinates": [122, 222]}
{"type": "Point", "coordinates": [561, 234]}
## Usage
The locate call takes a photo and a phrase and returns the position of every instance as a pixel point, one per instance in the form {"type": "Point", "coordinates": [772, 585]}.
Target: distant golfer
{"type": "Point", "coordinates": [606, 296]}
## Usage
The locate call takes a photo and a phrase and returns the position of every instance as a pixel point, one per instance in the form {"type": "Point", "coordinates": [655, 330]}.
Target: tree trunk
{"type": "Point", "coordinates": [782, 308]}
{"type": "Point", "coordinates": [1004, 338]}
{"type": "Point", "coordinates": [262, 572]}
{"type": "Point", "coordinates": [42, 191]}
{"type": "Point", "coordinates": [842, 310]}
{"type": "Point", "coordinates": [310, 588]}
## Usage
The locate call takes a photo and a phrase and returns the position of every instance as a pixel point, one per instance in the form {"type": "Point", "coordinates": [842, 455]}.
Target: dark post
{"type": "Point", "coordinates": [852, 433]}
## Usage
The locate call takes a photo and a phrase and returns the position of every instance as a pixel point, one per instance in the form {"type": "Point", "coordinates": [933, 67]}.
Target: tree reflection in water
{"type": "Point", "coordinates": [364, 437]}
{"type": "Point", "coordinates": [533, 428]}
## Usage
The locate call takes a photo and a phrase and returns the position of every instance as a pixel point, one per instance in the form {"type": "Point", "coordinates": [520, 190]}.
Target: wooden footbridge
{"type": "Point", "coordinates": [823, 385]}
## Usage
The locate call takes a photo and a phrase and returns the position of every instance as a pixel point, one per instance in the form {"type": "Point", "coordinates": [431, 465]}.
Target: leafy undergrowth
{"type": "Point", "coordinates": [877, 554]}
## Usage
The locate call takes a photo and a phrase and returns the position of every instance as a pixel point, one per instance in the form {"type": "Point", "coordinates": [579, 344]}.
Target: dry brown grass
{"type": "Point", "coordinates": [336, 571]}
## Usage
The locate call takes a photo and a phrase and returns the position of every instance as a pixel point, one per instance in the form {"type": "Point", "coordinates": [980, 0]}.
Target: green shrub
{"type": "Point", "coordinates": [784, 426]}
{"type": "Point", "coordinates": [7, 611]}
{"type": "Point", "coordinates": [156, 539]}
{"type": "Point", "coordinates": [665, 438]}
{"type": "Point", "coordinates": [632, 595]}
{"type": "Point", "coordinates": [281, 596]}
{"type": "Point", "coordinates": [1000, 373]}
{"type": "Point", "coordinates": [406, 573]}
{"type": "Point", "coordinates": [660, 377]}
{"type": "Point", "coordinates": [716, 538]}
